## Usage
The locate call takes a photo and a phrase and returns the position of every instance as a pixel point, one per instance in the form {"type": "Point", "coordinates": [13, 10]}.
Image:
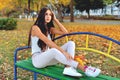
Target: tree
{"type": "Point", "coordinates": [29, 5]}
{"type": "Point", "coordinates": [118, 5]}
{"type": "Point", "coordinates": [118, 0]}
{"type": "Point", "coordinates": [36, 5]}
{"type": "Point", "coordinates": [58, 5]}
{"type": "Point", "coordinates": [88, 4]}
{"type": "Point", "coordinates": [5, 6]}
{"type": "Point", "coordinates": [108, 2]}
{"type": "Point", "coordinates": [71, 11]}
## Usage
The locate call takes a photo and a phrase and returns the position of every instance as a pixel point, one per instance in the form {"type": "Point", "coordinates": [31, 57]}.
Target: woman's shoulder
{"type": "Point", "coordinates": [35, 30]}
{"type": "Point", "coordinates": [35, 27]}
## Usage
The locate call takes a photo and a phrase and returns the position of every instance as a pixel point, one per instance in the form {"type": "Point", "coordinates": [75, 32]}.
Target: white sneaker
{"type": "Point", "coordinates": [74, 69]}
{"type": "Point", "coordinates": [71, 72]}
{"type": "Point", "coordinates": [92, 71]}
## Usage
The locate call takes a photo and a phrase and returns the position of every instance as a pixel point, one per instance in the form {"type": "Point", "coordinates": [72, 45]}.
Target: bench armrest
{"type": "Point", "coordinates": [89, 33]}
{"type": "Point", "coordinates": [18, 49]}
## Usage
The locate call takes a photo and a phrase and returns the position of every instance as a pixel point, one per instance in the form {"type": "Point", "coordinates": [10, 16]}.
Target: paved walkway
{"type": "Point", "coordinates": [112, 22]}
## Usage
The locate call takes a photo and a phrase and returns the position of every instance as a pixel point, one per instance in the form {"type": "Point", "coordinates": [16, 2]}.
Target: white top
{"type": "Point", "coordinates": [34, 44]}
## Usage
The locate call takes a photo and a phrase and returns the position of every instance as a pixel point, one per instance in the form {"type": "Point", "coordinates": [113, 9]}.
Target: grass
{"type": "Point", "coordinates": [10, 40]}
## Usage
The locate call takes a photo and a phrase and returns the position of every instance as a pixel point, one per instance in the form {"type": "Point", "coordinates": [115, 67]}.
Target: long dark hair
{"type": "Point", "coordinates": [45, 28]}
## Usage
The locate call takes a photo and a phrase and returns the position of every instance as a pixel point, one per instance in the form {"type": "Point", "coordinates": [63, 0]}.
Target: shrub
{"type": "Point", "coordinates": [8, 24]}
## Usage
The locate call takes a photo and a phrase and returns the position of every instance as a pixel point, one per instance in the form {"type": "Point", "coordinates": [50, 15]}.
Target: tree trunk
{"type": "Point", "coordinates": [111, 9]}
{"type": "Point", "coordinates": [60, 17]}
{"type": "Point", "coordinates": [28, 6]}
{"type": "Point", "coordinates": [88, 12]}
{"type": "Point", "coordinates": [71, 12]}
{"type": "Point", "coordinates": [119, 12]}
{"type": "Point", "coordinates": [105, 12]}
{"type": "Point", "coordinates": [37, 5]}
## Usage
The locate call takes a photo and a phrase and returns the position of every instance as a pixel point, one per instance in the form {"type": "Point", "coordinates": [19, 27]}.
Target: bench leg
{"type": "Point", "coordinates": [35, 76]}
{"type": "Point", "coordinates": [15, 72]}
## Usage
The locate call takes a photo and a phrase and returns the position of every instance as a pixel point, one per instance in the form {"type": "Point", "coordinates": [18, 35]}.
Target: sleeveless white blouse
{"type": "Point", "coordinates": [34, 44]}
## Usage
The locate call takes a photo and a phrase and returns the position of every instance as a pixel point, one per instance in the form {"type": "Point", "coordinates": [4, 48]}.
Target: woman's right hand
{"type": "Point", "coordinates": [54, 17]}
{"type": "Point", "coordinates": [68, 56]}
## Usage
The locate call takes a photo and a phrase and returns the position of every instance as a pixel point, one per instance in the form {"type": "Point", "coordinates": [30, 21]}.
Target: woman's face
{"type": "Point", "coordinates": [48, 16]}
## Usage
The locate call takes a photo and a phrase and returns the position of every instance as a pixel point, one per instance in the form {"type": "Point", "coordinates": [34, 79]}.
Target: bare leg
{"type": "Point", "coordinates": [81, 67]}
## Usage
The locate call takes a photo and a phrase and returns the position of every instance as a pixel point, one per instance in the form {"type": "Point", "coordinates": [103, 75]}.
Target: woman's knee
{"type": "Point", "coordinates": [71, 43]}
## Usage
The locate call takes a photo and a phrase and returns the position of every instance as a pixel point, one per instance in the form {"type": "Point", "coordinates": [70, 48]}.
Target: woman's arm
{"type": "Point", "coordinates": [37, 32]}
{"type": "Point", "coordinates": [62, 29]}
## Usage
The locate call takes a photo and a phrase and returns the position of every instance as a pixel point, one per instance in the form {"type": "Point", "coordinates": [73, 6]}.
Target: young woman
{"type": "Point", "coordinates": [45, 52]}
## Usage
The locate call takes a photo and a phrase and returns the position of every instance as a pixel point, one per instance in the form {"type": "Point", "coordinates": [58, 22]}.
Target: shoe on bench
{"type": "Point", "coordinates": [92, 71]}
{"type": "Point", "coordinates": [71, 72]}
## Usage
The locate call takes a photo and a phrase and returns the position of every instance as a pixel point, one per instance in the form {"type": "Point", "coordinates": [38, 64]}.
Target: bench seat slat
{"type": "Point", "coordinates": [55, 71]}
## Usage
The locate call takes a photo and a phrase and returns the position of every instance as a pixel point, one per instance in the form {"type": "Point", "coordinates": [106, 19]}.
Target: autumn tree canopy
{"type": "Point", "coordinates": [4, 4]}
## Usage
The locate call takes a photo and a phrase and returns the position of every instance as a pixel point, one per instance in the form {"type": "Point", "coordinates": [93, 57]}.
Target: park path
{"type": "Point", "coordinates": [112, 22]}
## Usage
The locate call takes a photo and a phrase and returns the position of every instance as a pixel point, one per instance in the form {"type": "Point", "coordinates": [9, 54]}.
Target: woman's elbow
{"type": "Point", "coordinates": [66, 32]}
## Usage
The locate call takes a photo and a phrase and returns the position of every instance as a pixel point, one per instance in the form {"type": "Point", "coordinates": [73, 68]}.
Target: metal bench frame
{"type": "Point", "coordinates": [86, 48]}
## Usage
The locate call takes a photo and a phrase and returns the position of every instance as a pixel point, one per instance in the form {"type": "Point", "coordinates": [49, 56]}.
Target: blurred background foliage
{"type": "Point", "coordinates": [14, 8]}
